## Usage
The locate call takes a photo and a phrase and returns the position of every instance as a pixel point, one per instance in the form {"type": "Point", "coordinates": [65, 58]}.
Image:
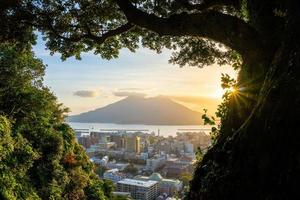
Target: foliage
{"type": "Point", "coordinates": [17, 156]}
{"type": "Point", "coordinates": [100, 170]}
{"type": "Point", "coordinates": [94, 190]}
{"type": "Point", "coordinates": [199, 154]}
{"type": "Point", "coordinates": [186, 177]}
{"type": "Point", "coordinates": [120, 197]}
{"type": "Point", "coordinates": [39, 156]}
{"type": "Point", "coordinates": [74, 27]}
{"type": "Point", "coordinates": [108, 187]}
{"type": "Point", "coordinates": [131, 169]}
{"type": "Point", "coordinates": [200, 52]}
{"type": "Point", "coordinates": [230, 86]}
{"type": "Point", "coordinates": [208, 120]}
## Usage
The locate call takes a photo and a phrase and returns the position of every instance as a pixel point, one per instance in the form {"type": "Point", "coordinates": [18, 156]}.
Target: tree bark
{"type": "Point", "coordinates": [262, 159]}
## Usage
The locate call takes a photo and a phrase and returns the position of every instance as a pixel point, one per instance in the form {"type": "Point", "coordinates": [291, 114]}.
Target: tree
{"type": "Point", "coordinates": [199, 154]}
{"type": "Point", "coordinates": [131, 169]}
{"type": "Point", "coordinates": [100, 170]}
{"type": "Point", "coordinates": [108, 188]}
{"type": "Point", "coordinates": [17, 156]}
{"type": "Point", "coordinates": [259, 38]}
{"type": "Point", "coordinates": [186, 177]}
{"type": "Point", "coordinates": [40, 158]}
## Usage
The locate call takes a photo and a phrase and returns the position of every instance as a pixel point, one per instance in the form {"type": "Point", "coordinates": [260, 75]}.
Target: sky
{"type": "Point", "coordinates": [93, 82]}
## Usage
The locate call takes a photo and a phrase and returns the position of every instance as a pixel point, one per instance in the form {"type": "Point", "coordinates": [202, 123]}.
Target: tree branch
{"type": "Point", "coordinates": [88, 34]}
{"type": "Point", "coordinates": [110, 33]}
{"type": "Point", "coordinates": [95, 38]}
{"type": "Point", "coordinates": [206, 4]}
{"type": "Point", "coordinates": [226, 29]}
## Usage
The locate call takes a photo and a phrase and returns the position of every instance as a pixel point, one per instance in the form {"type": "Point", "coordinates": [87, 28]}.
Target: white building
{"type": "Point", "coordinates": [104, 161]}
{"type": "Point", "coordinates": [189, 147]}
{"type": "Point", "coordinates": [140, 190]}
{"type": "Point", "coordinates": [154, 163]}
{"type": "Point", "coordinates": [114, 175]}
{"type": "Point", "coordinates": [166, 186]}
{"type": "Point", "coordinates": [115, 165]}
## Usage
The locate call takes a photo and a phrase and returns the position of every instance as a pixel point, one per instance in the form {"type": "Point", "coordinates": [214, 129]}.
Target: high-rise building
{"type": "Point", "coordinates": [119, 140]}
{"type": "Point", "coordinates": [101, 136]}
{"type": "Point", "coordinates": [106, 145]}
{"type": "Point", "coordinates": [132, 144]}
{"type": "Point", "coordinates": [142, 190]}
{"type": "Point", "coordinates": [86, 141]}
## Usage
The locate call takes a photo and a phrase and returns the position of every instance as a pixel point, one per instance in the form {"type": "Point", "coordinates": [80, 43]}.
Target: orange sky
{"type": "Point", "coordinates": [93, 82]}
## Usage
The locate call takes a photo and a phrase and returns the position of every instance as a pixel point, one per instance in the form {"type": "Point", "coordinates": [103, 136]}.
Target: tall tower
{"type": "Point", "coordinates": [133, 144]}
{"type": "Point", "coordinates": [138, 145]}
{"type": "Point", "coordinates": [119, 140]}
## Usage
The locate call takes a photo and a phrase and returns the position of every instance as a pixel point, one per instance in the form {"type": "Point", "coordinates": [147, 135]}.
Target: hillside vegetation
{"type": "Point", "coordinates": [39, 157]}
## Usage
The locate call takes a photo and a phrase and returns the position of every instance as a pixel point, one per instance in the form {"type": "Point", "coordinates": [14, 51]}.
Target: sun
{"type": "Point", "coordinates": [220, 92]}
{"type": "Point", "coordinates": [233, 90]}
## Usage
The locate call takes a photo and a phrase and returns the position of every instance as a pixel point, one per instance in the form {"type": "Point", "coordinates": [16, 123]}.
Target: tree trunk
{"type": "Point", "coordinates": [261, 160]}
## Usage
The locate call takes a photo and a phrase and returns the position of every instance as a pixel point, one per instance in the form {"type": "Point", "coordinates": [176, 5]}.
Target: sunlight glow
{"type": "Point", "coordinates": [233, 90]}
{"type": "Point", "coordinates": [219, 93]}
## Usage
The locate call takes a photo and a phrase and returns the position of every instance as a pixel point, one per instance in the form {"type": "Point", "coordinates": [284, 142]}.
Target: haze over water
{"type": "Point", "coordinates": [164, 130]}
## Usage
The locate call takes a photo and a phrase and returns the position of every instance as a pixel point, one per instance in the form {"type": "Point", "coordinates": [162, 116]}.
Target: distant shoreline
{"type": "Point", "coordinates": [164, 130]}
{"type": "Point", "coordinates": [135, 123]}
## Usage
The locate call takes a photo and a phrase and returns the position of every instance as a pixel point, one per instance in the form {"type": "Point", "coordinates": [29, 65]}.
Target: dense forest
{"type": "Point", "coordinates": [40, 158]}
{"type": "Point", "coordinates": [256, 150]}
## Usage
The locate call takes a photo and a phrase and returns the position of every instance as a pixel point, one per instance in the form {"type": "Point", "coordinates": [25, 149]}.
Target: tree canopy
{"type": "Point", "coordinates": [40, 158]}
{"type": "Point", "coordinates": [200, 32]}
{"type": "Point", "coordinates": [195, 32]}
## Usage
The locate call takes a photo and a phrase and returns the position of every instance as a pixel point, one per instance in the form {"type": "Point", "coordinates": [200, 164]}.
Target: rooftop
{"type": "Point", "coordinates": [157, 177]}
{"type": "Point", "coordinates": [112, 170]}
{"type": "Point", "coordinates": [138, 182]}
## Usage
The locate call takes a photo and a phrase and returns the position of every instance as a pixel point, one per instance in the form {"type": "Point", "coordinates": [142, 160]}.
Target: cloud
{"type": "Point", "coordinates": [129, 93]}
{"type": "Point", "coordinates": [133, 89]}
{"type": "Point", "coordinates": [86, 93]}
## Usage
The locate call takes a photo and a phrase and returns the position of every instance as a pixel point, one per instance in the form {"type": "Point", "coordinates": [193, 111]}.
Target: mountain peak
{"type": "Point", "coordinates": [159, 110]}
{"type": "Point", "coordinates": [135, 97]}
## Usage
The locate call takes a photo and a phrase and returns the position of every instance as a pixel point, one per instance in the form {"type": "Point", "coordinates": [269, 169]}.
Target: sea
{"type": "Point", "coordinates": [162, 130]}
